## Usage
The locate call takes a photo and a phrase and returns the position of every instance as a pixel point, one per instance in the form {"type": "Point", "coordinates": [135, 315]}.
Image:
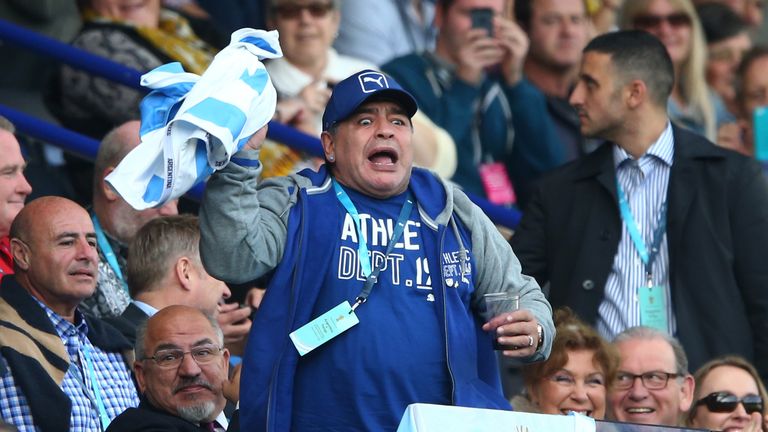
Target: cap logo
{"type": "Point", "coordinates": [372, 81]}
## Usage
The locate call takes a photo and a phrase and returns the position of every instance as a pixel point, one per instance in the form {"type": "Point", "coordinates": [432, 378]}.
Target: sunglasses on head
{"type": "Point", "coordinates": [725, 402]}
{"type": "Point", "coordinates": [678, 19]}
{"type": "Point", "coordinates": [292, 11]}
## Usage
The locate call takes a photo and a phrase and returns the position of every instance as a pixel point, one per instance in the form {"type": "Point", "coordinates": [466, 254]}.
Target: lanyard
{"type": "Point", "coordinates": [646, 256]}
{"type": "Point", "coordinates": [371, 276]}
{"type": "Point", "coordinates": [96, 388]}
{"type": "Point", "coordinates": [106, 249]}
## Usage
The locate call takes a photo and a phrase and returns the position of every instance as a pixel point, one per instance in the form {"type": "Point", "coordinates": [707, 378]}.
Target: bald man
{"type": "Point", "coordinates": [116, 223]}
{"type": "Point", "coordinates": [52, 355]}
{"type": "Point", "coordinates": [181, 367]}
{"type": "Point", "coordinates": [14, 190]}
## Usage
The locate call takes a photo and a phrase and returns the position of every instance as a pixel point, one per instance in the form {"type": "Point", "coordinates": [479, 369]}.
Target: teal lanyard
{"type": "Point", "coordinates": [96, 388]}
{"type": "Point", "coordinates": [371, 276]}
{"type": "Point", "coordinates": [634, 232]}
{"type": "Point", "coordinates": [106, 249]}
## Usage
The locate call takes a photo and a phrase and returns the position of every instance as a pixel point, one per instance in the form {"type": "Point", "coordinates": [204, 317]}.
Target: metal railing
{"type": "Point", "coordinates": [87, 147]}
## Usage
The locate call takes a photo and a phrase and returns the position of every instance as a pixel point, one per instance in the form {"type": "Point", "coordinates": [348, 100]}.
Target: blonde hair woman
{"type": "Point", "coordinates": [676, 24]}
{"type": "Point", "coordinates": [729, 395]}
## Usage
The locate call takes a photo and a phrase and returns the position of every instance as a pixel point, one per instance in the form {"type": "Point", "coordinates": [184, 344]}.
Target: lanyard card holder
{"type": "Point", "coordinates": [653, 307]}
{"type": "Point", "coordinates": [324, 328]}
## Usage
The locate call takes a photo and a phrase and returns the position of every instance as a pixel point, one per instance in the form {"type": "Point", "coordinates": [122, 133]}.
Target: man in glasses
{"type": "Point", "coordinates": [652, 385]}
{"type": "Point", "coordinates": [181, 368]}
{"type": "Point", "coordinates": [59, 369]}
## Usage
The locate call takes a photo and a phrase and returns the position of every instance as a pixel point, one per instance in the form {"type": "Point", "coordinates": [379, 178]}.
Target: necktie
{"type": "Point", "coordinates": [210, 426]}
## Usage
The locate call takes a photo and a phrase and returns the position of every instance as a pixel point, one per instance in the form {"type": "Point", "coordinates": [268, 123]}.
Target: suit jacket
{"type": "Point", "coordinates": [127, 323]}
{"type": "Point", "coordinates": [717, 233]}
{"type": "Point", "coordinates": [147, 418]}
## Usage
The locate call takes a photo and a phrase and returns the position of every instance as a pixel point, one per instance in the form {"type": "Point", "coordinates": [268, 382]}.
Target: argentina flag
{"type": "Point", "coordinates": [191, 125]}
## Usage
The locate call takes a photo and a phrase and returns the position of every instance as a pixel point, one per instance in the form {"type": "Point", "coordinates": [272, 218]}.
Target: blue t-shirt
{"type": "Point", "coordinates": [396, 355]}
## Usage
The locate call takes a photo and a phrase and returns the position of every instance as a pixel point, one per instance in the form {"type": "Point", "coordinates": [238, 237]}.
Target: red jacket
{"type": "Point", "coordinates": [6, 260]}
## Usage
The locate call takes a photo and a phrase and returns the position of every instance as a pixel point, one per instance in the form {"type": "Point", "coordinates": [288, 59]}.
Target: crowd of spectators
{"type": "Point", "coordinates": [627, 133]}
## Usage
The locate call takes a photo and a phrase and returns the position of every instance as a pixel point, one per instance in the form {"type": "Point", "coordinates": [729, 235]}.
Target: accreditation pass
{"type": "Point", "coordinates": [324, 328]}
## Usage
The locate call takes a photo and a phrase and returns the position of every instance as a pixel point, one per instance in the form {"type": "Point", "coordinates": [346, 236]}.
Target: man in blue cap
{"type": "Point", "coordinates": [376, 271]}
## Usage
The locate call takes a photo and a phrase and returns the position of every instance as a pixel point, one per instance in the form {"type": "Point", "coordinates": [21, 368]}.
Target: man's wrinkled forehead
{"type": "Point", "coordinates": [180, 326]}
{"type": "Point", "coordinates": [52, 218]}
{"type": "Point", "coordinates": [647, 353]}
{"type": "Point", "coordinates": [165, 343]}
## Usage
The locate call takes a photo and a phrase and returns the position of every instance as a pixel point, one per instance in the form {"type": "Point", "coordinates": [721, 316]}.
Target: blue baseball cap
{"type": "Point", "coordinates": [356, 89]}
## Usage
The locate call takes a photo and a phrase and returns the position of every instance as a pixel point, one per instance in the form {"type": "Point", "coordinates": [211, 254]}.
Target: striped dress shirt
{"type": "Point", "coordinates": [113, 375]}
{"type": "Point", "coordinates": [645, 181]}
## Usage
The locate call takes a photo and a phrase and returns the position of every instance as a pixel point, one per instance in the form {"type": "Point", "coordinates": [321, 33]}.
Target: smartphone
{"type": "Point", "coordinates": [760, 134]}
{"type": "Point", "coordinates": [482, 18]}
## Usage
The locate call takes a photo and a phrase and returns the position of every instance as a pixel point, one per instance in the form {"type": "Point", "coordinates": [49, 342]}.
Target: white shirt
{"type": "Point", "coordinates": [645, 182]}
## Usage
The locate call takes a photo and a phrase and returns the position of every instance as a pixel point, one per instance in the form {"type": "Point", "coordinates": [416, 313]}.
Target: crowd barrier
{"type": "Point", "coordinates": [87, 147]}
{"type": "Point", "coordinates": [421, 417]}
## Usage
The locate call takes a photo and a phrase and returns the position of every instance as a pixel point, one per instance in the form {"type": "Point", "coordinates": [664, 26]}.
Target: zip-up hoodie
{"type": "Point", "coordinates": [249, 230]}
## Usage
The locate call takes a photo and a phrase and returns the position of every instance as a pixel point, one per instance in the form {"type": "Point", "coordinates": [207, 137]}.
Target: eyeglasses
{"type": "Point", "coordinates": [293, 11]}
{"type": "Point", "coordinates": [172, 358]}
{"type": "Point", "coordinates": [725, 402]}
{"type": "Point", "coordinates": [676, 20]}
{"type": "Point", "coordinates": [654, 380]}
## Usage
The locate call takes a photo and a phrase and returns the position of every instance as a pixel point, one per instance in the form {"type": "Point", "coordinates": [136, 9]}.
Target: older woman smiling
{"type": "Point", "coordinates": [577, 374]}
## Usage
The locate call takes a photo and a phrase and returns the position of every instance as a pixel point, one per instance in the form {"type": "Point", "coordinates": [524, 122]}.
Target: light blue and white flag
{"type": "Point", "coordinates": [191, 125]}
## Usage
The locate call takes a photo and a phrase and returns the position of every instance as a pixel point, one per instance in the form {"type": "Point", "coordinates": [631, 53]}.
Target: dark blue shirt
{"type": "Point", "coordinates": [402, 362]}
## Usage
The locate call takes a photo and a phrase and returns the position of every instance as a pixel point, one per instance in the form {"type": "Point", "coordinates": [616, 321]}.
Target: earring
{"type": "Point", "coordinates": [331, 157]}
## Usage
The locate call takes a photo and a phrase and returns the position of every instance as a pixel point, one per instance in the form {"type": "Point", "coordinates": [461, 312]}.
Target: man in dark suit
{"type": "Point", "coordinates": [181, 368]}
{"type": "Point", "coordinates": [684, 250]}
{"type": "Point", "coordinates": [164, 269]}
